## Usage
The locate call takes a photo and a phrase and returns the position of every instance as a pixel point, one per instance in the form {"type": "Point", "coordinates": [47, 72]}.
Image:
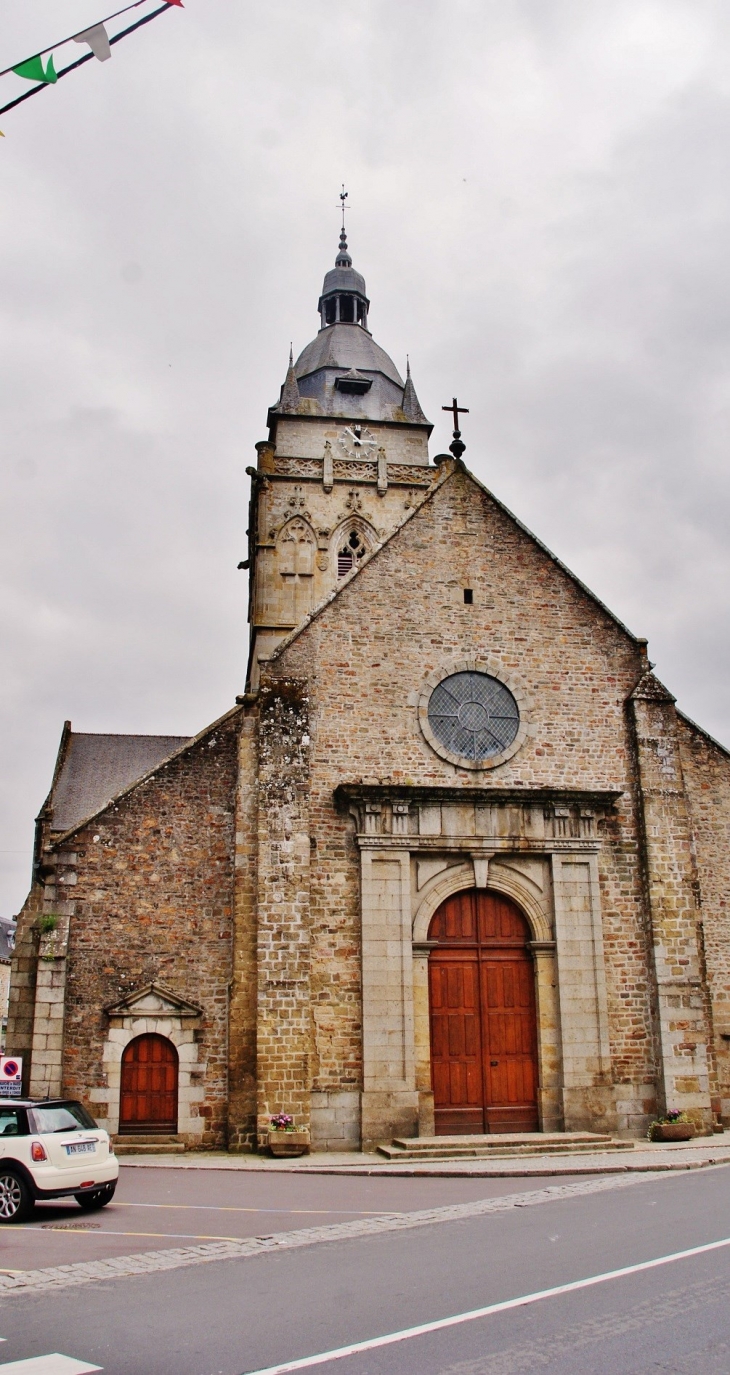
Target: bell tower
{"type": "Point", "coordinates": [345, 459]}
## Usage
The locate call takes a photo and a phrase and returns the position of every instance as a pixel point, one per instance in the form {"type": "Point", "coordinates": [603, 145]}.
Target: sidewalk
{"type": "Point", "coordinates": [647, 1156]}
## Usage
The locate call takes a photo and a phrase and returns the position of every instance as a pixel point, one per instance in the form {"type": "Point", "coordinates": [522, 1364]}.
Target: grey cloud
{"type": "Point", "coordinates": [540, 207]}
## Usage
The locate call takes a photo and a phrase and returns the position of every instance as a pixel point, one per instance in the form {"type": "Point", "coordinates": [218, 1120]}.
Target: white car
{"type": "Point", "coordinates": [52, 1149]}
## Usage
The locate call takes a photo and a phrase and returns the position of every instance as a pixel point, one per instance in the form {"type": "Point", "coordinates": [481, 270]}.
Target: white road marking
{"type": "Point", "coordinates": [49, 1365]}
{"type": "Point", "coordinates": [424, 1328]}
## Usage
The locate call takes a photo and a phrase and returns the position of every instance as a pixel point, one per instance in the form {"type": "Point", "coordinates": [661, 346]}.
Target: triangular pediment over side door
{"type": "Point", "coordinates": [153, 1001]}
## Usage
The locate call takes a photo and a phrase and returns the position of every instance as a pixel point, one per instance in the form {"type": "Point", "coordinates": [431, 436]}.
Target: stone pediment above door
{"type": "Point", "coordinates": [154, 1000]}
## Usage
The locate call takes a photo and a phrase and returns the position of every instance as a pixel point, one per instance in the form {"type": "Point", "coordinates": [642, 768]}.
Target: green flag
{"type": "Point", "coordinates": [32, 70]}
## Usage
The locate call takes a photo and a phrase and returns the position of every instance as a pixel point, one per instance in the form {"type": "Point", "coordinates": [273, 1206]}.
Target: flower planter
{"type": "Point", "coordinates": [289, 1143]}
{"type": "Point", "coordinates": [672, 1131]}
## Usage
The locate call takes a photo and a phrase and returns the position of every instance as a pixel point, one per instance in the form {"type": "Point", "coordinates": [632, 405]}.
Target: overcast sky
{"type": "Point", "coordinates": [541, 208]}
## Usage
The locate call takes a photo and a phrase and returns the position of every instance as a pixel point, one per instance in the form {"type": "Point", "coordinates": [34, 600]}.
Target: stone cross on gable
{"type": "Point", "coordinates": [456, 446]}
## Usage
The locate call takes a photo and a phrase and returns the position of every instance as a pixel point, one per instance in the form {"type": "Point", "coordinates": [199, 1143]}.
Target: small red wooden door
{"type": "Point", "coordinates": [149, 1086]}
{"type": "Point", "coordinates": [483, 1023]}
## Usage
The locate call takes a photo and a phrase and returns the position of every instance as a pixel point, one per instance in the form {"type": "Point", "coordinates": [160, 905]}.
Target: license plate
{"type": "Point", "coordinates": [80, 1148]}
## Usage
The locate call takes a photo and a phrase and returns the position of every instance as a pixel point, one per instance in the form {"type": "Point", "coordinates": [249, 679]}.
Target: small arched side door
{"type": "Point", "coordinates": [149, 1086]}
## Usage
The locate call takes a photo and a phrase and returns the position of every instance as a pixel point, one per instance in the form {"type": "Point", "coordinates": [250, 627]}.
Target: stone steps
{"type": "Point", "coordinates": [500, 1145]}
{"type": "Point", "coordinates": [148, 1145]}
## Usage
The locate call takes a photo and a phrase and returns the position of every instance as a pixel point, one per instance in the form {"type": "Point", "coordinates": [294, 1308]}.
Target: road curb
{"type": "Point", "coordinates": [422, 1171]}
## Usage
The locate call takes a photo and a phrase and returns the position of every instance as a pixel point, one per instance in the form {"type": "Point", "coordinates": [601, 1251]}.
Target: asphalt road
{"type": "Point", "coordinates": [154, 1209]}
{"type": "Point", "coordinates": [244, 1315]}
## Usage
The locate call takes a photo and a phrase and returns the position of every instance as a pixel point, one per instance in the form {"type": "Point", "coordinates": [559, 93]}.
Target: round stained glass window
{"type": "Point", "coordinates": [473, 715]}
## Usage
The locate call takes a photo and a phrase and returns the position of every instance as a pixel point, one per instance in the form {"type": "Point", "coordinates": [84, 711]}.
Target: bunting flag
{"type": "Point", "coordinates": [96, 37]}
{"type": "Point", "coordinates": [32, 70]}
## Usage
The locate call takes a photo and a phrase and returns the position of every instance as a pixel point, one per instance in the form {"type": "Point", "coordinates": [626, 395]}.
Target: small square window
{"type": "Point", "coordinates": [468, 596]}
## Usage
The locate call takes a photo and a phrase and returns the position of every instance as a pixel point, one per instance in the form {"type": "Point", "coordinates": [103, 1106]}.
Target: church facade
{"type": "Point", "coordinates": [453, 863]}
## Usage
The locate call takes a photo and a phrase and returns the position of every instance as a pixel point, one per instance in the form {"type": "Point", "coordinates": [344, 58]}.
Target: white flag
{"type": "Point", "coordinates": [97, 39]}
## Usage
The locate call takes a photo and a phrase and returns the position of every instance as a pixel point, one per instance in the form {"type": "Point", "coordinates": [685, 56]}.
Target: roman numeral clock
{"type": "Point", "coordinates": [357, 441]}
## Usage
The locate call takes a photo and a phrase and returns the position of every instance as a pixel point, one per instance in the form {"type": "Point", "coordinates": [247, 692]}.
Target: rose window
{"type": "Point", "coordinates": [473, 715]}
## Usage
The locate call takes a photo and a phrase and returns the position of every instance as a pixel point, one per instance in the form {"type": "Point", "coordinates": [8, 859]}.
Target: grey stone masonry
{"type": "Point", "coordinates": [283, 937]}
{"type": "Point", "coordinates": [681, 1027]}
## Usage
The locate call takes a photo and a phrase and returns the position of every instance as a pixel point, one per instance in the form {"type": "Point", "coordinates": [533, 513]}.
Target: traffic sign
{"type": "Point", "coordinates": [11, 1076]}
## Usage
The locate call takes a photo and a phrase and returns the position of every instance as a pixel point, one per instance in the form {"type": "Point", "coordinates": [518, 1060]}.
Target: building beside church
{"type": "Point", "coordinates": [453, 862]}
{"type": "Point", "coordinates": [7, 937]}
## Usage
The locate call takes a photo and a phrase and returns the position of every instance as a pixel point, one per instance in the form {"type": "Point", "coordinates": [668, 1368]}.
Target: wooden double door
{"type": "Point", "coordinates": [149, 1086]}
{"type": "Point", "coordinates": [483, 1022]}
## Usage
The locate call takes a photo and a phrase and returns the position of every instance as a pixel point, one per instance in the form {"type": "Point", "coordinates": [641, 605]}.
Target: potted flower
{"type": "Point", "coordinates": [673, 1126]}
{"type": "Point", "coordinates": [284, 1139]}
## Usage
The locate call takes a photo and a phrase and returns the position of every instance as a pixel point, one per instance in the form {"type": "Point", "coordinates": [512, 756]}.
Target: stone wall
{"type": "Point", "coordinates": [242, 1094]}
{"type": "Point", "coordinates": [365, 658]}
{"type": "Point", "coordinates": [23, 975]}
{"type": "Point", "coordinates": [4, 992]}
{"type": "Point", "coordinates": [706, 769]}
{"type": "Point", "coordinates": [672, 899]}
{"type": "Point", "coordinates": [283, 1038]}
{"type": "Point", "coordinates": [306, 509]}
{"type": "Point", "coordinates": [300, 438]}
{"type": "Point", "coordinates": [152, 885]}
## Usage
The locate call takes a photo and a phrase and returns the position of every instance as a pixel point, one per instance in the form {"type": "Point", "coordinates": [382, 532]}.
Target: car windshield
{"type": "Point", "coordinates": [61, 1117]}
{"type": "Point", "coordinates": [11, 1122]}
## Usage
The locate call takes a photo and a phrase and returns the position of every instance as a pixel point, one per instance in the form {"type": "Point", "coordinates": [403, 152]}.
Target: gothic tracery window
{"type": "Point", "coordinates": [350, 554]}
{"type": "Point", "coordinates": [296, 566]}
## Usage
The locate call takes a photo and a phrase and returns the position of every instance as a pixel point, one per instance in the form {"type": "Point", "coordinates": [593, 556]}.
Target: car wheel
{"type": "Point", "coordinates": [96, 1198]}
{"type": "Point", "coordinates": [16, 1199]}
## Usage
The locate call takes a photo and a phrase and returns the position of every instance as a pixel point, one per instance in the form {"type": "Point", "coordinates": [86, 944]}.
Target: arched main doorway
{"type": "Point", "coordinates": [149, 1086]}
{"type": "Point", "coordinates": [483, 1023]}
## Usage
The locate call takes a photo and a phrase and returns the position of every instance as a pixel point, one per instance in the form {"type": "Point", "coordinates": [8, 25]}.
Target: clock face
{"type": "Point", "coordinates": [357, 441]}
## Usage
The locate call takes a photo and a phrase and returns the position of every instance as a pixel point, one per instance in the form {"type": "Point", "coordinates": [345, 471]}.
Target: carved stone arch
{"type": "Point", "coordinates": [296, 545]}
{"type": "Point", "coordinates": [519, 889]}
{"type": "Point", "coordinates": [460, 877]}
{"type": "Point", "coordinates": [354, 530]}
{"type": "Point", "coordinates": [297, 528]}
{"type": "Point", "coordinates": [358, 523]}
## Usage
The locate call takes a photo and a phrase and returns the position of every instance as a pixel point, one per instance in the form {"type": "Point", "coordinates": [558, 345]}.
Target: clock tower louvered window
{"type": "Point", "coordinates": [350, 554]}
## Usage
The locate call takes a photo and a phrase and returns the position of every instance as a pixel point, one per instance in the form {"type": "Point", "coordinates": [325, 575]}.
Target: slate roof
{"type": "Point", "coordinates": [342, 278]}
{"type": "Point", "coordinates": [346, 346]}
{"type": "Point", "coordinates": [94, 768]}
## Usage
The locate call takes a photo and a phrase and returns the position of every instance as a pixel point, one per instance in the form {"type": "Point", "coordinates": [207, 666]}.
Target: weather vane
{"type": "Point", "coordinates": [457, 446]}
{"type": "Point", "coordinates": [343, 197]}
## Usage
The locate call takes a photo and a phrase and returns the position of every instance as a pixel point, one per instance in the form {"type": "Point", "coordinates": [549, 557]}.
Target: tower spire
{"type": "Point", "coordinates": [411, 404]}
{"type": "Point", "coordinates": [343, 258]}
{"type": "Point", "coordinates": [290, 396]}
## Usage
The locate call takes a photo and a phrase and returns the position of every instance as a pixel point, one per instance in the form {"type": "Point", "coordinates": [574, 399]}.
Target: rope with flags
{"type": "Point", "coordinates": [96, 37]}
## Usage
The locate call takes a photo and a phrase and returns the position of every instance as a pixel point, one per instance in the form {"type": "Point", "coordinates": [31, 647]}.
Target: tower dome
{"type": "Point", "coordinates": [343, 372]}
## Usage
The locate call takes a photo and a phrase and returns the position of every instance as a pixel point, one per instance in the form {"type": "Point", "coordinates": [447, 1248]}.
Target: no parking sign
{"type": "Point", "coordinates": [11, 1076]}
